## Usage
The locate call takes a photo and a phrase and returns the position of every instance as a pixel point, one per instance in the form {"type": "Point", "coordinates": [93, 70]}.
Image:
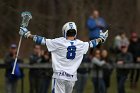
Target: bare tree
{"type": "Point", "coordinates": [50, 15]}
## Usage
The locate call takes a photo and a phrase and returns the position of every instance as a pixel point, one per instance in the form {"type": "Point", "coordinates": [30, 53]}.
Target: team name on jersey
{"type": "Point", "coordinates": [64, 74]}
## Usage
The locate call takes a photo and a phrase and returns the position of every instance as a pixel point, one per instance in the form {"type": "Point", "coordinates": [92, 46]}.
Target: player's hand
{"type": "Point", "coordinates": [24, 32]}
{"type": "Point", "coordinates": [103, 35]}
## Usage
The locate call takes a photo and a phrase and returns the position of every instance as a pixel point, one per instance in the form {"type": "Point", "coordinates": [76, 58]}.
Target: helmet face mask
{"type": "Point", "coordinates": [69, 29]}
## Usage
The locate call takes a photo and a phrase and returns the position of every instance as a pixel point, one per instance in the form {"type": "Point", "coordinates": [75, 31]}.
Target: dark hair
{"type": "Point", "coordinates": [46, 52]}
{"type": "Point", "coordinates": [121, 33]}
{"type": "Point", "coordinates": [37, 45]}
{"type": "Point", "coordinates": [71, 32]}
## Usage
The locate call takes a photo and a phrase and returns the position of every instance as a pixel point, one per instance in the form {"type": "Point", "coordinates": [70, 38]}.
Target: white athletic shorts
{"type": "Point", "coordinates": [62, 86]}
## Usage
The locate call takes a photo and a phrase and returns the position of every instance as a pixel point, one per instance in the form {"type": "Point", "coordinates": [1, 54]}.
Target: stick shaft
{"type": "Point", "coordinates": [15, 62]}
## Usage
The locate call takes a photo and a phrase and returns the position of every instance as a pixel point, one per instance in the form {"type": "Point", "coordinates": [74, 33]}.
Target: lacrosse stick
{"type": "Point", "coordinates": [26, 16]}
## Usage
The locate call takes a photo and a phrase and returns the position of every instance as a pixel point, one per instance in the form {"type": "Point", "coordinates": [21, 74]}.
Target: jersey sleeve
{"type": "Point", "coordinates": [51, 44]}
{"type": "Point", "coordinates": [85, 47]}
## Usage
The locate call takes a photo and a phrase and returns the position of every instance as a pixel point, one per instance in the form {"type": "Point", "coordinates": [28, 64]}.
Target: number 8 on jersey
{"type": "Point", "coordinates": [71, 52]}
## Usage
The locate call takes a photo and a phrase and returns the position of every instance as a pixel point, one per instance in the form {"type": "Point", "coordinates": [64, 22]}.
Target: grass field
{"type": "Point", "coordinates": [88, 89]}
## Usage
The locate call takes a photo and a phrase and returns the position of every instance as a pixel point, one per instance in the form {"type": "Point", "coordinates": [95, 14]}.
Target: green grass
{"type": "Point", "coordinates": [88, 89]}
{"type": "Point", "coordinates": [113, 86]}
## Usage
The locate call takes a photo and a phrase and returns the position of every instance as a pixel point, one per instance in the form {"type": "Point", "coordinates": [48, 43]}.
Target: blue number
{"type": "Point", "coordinates": [71, 52]}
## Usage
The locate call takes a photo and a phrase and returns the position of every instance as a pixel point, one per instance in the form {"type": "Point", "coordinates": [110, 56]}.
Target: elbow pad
{"type": "Point", "coordinates": [39, 40]}
{"type": "Point", "coordinates": [93, 43]}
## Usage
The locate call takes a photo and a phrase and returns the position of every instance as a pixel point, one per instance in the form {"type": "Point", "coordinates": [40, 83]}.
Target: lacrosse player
{"type": "Point", "coordinates": [67, 53]}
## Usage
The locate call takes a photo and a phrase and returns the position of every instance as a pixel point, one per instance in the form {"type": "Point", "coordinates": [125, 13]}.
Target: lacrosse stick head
{"type": "Point", "coordinates": [26, 16]}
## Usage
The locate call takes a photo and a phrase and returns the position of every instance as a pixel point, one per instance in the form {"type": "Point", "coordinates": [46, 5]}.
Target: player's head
{"type": "Point", "coordinates": [37, 49]}
{"type": "Point", "coordinates": [95, 13]}
{"type": "Point", "coordinates": [13, 48]}
{"type": "Point", "coordinates": [69, 30]}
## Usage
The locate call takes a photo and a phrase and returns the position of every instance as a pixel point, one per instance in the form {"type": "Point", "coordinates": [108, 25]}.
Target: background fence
{"type": "Point", "coordinates": [22, 88]}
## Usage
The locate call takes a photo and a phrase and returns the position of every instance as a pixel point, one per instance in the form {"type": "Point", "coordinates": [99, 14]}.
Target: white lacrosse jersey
{"type": "Point", "coordinates": [67, 56]}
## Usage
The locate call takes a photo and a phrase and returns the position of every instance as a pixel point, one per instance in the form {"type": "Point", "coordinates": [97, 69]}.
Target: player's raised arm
{"type": "Point", "coordinates": [27, 34]}
{"type": "Point", "coordinates": [102, 38]}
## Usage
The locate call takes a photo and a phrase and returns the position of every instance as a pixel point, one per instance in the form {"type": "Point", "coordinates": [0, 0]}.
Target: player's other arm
{"type": "Point", "coordinates": [27, 34]}
{"type": "Point", "coordinates": [102, 38]}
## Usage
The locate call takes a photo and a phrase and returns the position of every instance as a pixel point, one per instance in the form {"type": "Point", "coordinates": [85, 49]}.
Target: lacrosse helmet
{"type": "Point", "coordinates": [69, 29]}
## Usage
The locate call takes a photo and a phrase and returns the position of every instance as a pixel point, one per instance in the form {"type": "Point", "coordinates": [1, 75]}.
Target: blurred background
{"type": "Point", "coordinates": [121, 17]}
